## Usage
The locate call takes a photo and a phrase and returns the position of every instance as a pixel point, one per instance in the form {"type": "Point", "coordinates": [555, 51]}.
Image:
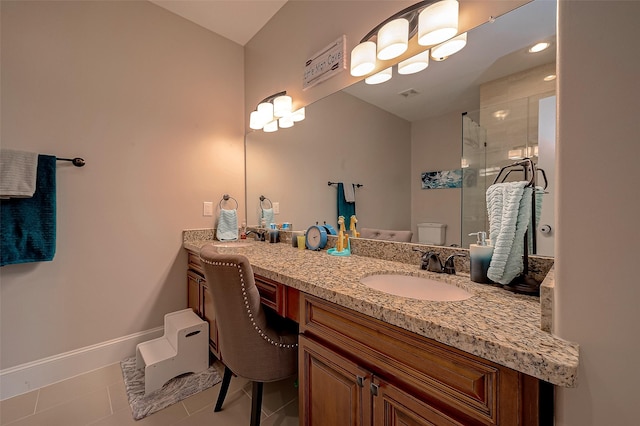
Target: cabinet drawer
{"type": "Point", "coordinates": [193, 261]}
{"type": "Point", "coordinates": [457, 383]}
{"type": "Point", "coordinates": [271, 294]}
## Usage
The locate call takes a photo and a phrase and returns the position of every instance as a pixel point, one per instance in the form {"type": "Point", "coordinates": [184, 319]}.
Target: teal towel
{"type": "Point", "coordinates": [509, 209]}
{"type": "Point", "coordinates": [28, 225]}
{"type": "Point", "coordinates": [344, 208]}
{"type": "Point", "coordinates": [227, 225]}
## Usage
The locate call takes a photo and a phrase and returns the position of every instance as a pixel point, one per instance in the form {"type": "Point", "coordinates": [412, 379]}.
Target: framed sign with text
{"type": "Point", "coordinates": [326, 63]}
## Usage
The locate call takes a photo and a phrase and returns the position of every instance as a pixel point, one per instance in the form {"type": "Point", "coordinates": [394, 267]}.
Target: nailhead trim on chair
{"type": "Point", "coordinates": [246, 304]}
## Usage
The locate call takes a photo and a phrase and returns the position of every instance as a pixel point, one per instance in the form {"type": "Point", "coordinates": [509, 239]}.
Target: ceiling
{"type": "Point", "coordinates": [237, 20]}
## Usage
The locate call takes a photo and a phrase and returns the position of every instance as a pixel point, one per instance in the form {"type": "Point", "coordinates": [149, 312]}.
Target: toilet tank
{"type": "Point", "coordinates": [432, 233]}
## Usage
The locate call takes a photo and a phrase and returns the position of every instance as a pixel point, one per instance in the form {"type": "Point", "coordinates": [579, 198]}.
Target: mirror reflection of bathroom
{"type": "Point", "coordinates": [505, 131]}
{"type": "Point", "coordinates": [385, 137]}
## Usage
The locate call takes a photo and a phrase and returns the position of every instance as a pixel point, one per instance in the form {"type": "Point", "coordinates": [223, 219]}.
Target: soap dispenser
{"type": "Point", "coordinates": [480, 256]}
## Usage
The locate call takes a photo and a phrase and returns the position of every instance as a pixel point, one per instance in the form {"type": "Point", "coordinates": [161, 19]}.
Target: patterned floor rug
{"type": "Point", "coordinates": [173, 391]}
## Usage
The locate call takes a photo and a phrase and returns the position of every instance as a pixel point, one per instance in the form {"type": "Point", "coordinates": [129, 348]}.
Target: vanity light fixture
{"type": "Point", "coordinates": [393, 39]}
{"type": "Point", "coordinates": [273, 110]}
{"type": "Point", "coordinates": [363, 59]}
{"type": "Point", "coordinates": [438, 22]}
{"type": "Point", "coordinates": [449, 47]}
{"type": "Point", "coordinates": [432, 22]}
{"type": "Point", "coordinates": [381, 77]}
{"type": "Point", "coordinates": [414, 64]}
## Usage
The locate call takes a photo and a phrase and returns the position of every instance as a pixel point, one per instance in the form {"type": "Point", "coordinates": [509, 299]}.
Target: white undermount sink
{"type": "Point", "coordinates": [416, 287]}
{"type": "Point", "coordinates": [236, 244]}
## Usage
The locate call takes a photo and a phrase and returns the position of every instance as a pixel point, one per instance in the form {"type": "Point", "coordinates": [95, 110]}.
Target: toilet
{"type": "Point", "coordinates": [432, 233]}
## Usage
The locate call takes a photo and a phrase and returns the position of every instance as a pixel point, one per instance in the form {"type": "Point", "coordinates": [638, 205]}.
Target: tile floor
{"type": "Point", "coordinates": [98, 398]}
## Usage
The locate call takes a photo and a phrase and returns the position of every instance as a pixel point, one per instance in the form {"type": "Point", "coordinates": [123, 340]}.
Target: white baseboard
{"type": "Point", "coordinates": [36, 374]}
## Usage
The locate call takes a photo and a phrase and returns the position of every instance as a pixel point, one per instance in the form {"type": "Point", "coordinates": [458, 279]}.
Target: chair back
{"type": "Point", "coordinates": [253, 343]}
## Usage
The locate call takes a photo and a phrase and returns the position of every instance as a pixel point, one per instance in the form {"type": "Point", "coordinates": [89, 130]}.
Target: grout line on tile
{"type": "Point", "coordinates": [109, 398]}
{"type": "Point", "coordinates": [295, 400]}
{"type": "Point", "coordinates": [35, 406]}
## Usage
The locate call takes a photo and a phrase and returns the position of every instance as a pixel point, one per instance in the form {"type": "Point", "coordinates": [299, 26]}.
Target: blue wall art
{"type": "Point", "coordinates": [442, 179]}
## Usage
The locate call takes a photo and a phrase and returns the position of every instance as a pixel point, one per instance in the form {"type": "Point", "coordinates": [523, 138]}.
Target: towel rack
{"type": "Point", "coordinates": [262, 200]}
{"type": "Point", "coordinates": [357, 185]}
{"type": "Point", "coordinates": [77, 161]}
{"type": "Point", "coordinates": [523, 283]}
{"type": "Point", "coordinates": [226, 197]}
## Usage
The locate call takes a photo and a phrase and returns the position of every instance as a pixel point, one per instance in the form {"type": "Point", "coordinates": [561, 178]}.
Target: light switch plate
{"type": "Point", "coordinates": [276, 207]}
{"type": "Point", "coordinates": [207, 208]}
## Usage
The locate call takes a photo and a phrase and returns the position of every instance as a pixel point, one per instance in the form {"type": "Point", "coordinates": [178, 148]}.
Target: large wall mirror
{"type": "Point", "coordinates": [385, 136]}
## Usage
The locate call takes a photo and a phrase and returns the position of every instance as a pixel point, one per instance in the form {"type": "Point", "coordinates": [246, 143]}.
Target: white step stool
{"type": "Point", "coordinates": [184, 348]}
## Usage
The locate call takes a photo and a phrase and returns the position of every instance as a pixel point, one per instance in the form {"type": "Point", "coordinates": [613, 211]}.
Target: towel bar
{"type": "Point", "coordinates": [226, 197]}
{"type": "Point", "coordinates": [77, 161]}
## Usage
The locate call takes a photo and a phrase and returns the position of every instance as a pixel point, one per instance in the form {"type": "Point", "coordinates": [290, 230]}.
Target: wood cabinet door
{"type": "Point", "coordinates": [193, 292]}
{"type": "Point", "coordinates": [209, 315]}
{"type": "Point", "coordinates": [394, 407]}
{"type": "Point", "coordinates": [333, 390]}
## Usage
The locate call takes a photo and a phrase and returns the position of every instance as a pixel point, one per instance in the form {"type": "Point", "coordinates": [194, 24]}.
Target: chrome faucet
{"type": "Point", "coordinates": [449, 266]}
{"type": "Point", "coordinates": [431, 262]}
{"type": "Point", "coordinates": [259, 235]}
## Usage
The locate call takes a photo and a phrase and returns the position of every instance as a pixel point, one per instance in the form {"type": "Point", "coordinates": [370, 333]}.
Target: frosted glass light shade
{"type": "Point", "coordinates": [254, 121]}
{"type": "Point", "coordinates": [363, 59]}
{"type": "Point", "coordinates": [449, 47]}
{"type": "Point", "coordinates": [381, 77]}
{"type": "Point", "coordinates": [286, 122]}
{"type": "Point", "coordinates": [438, 22]}
{"type": "Point", "coordinates": [298, 115]}
{"type": "Point", "coordinates": [414, 64]}
{"type": "Point", "coordinates": [282, 106]}
{"type": "Point", "coordinates": [265, 110]}
{"type": "Point", "coordinates": [393, 39]}
{"type": "Point", "coordinates": [271, 126]}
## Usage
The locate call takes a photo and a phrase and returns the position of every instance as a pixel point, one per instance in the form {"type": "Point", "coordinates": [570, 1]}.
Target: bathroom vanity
{"type": "Point", "coordinates": [374, 358]}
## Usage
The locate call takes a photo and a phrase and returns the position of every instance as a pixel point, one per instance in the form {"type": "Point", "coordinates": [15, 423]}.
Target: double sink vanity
{"type": "Point", "coordinates": [456, 353]}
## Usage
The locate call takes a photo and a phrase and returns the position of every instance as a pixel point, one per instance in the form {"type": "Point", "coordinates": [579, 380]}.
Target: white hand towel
{"type": "Point", "coordinates": [18, 170]}
{"type": "Point", "coordinates": [509, 209]}
{"type": "Point", "coordinates": [267, 215]}
{"type": "Point", "coordinates": [349, 193]}
{"type": "Point", "coordinates": [227, 225]}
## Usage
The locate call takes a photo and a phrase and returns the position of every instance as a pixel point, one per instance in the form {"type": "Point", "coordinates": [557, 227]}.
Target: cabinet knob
{"type": "Point", "coordinates": [360, 381]}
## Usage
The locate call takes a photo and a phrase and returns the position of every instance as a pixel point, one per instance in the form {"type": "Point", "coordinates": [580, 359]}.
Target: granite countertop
{"type": "Point", "coordinates": [494, 324]}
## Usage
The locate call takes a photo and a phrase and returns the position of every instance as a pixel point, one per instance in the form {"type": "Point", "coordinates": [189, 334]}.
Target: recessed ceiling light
{"type": "Point", "coordinates": [550, 77]}
{"type": "Point", "coordinates": [539, 47]}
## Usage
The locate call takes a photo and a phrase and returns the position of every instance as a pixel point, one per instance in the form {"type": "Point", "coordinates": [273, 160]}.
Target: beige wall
{"type": "Point", "coordinates": [154, 104]}
{"type": "Point", "coordinates": [113, 115]}
{"type": "Point", "coordinates": [343, 139]}
{"type": "Point", "coordinates": [598, 209]}
{"type": "Point", "coordinates": [436, 144]}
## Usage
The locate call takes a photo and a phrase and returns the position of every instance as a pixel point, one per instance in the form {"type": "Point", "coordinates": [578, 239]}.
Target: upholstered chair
{"type": "Point", "coordinates": [388, 235]}
{"type": "Point", "coordinates": [255, 343]}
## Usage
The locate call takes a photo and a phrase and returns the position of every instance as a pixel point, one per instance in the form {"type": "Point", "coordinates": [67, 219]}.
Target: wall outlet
{"type": "Point", "coordinates": [207, 208]}
{"type": "Point", "coordinates": [276, 207]}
